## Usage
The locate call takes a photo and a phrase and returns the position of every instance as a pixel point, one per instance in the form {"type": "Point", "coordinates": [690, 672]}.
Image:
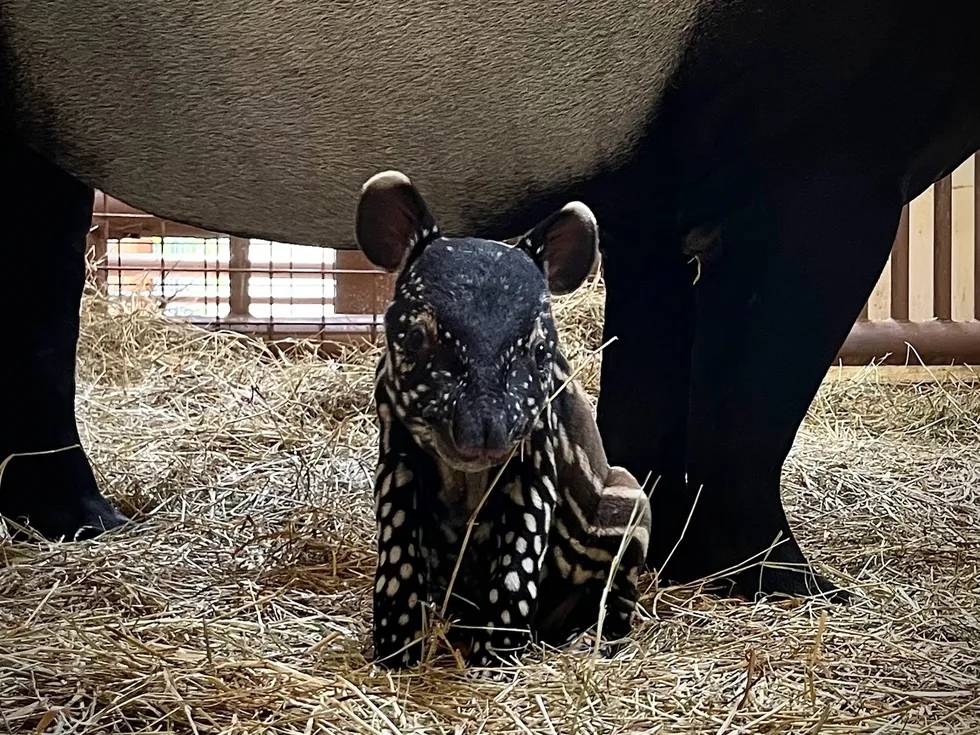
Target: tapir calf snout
{"type": "Point", "coordinates": [480, 431]}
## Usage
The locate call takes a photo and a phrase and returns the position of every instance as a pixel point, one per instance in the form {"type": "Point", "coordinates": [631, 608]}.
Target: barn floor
{"type": "Point", "coordinates": [238, 600]}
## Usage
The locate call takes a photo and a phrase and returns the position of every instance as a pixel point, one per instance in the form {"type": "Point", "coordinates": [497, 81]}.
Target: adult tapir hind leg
{"type": "Point", "coordinates": [794, 268]}
{"type": "Point", "coordinates": [47, 481]}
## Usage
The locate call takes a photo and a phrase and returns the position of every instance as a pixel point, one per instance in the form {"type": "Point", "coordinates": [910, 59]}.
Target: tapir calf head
{"type": "Point", "coordinates": [471, 342]}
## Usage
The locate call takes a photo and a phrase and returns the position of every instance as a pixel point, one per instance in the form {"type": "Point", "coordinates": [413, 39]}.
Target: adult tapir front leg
{"type": "Point", "coordinates": [46, 481]}
{"type": "Point", "coordinates": [772, 311]}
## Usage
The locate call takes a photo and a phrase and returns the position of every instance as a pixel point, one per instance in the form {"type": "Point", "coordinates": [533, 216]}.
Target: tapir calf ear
{"type": "Point", "coordinates": [392, 218]}
{"type": "Point", "coordinates": [564, 246]}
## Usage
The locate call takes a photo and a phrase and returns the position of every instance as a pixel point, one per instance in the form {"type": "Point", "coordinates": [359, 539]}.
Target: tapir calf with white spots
{"type": "Point", "coordinates": [479, 415]}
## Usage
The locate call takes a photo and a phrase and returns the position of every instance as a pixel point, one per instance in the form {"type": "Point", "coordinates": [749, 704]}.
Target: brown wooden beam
{"type": "Point", "coordinates": [976, 235]}
{"type": "Point", "coordinates": [238, 277]}
{"type": "Point", "coordinates": [935, 342]}
{"type": "Point", "coordinates": [900, 269]}
{"type": "Point", "coordinates": [98, 255]}
{"type": "Point", "coordinates": [361, 288]}
{"type": "Point", "coordinates": [942, 283]}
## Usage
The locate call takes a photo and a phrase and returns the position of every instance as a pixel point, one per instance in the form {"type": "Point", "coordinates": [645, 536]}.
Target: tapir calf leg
{"type": "Point", "coordinates": [47, 482]}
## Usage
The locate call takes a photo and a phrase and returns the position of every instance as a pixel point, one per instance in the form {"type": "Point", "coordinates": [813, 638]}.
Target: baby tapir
{"type": "Point", "coordinates": [468, 392]}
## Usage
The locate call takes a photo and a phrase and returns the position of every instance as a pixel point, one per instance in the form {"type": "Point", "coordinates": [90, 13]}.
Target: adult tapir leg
{"type": "Point", "coordinates": [46, 479]}
{"type": "Point", "coordinates": [643, 405]}
{"type": "Point", "coordinates": [793, 270]}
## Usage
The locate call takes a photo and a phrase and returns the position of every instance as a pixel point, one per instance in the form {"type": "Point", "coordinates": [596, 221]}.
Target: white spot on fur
{"type": "Point", "coordinates": [530, 522]}
{"type": "Point", "coordinates": [403, 475]}
{"type": "Point", "coordinates": [535, 498]}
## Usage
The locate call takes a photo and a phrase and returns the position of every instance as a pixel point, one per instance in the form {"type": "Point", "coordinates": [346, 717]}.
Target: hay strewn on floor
{"type": "Point", "coordinates": [238, 602]}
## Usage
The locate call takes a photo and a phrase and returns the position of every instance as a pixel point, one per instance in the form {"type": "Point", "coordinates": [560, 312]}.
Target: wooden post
{"type": "Point", "coordinates": [98, 245]}
{"type": "Point", "coordinates": [366, 292]}
{"type": "Point", "coordinates": [900, 269]}
{"type": "Point", "coordinates": [238, 276]}
{"type": "Point", "coordinates": [942, 294]}
{"type": "Point", "coordinates": [976, 236]}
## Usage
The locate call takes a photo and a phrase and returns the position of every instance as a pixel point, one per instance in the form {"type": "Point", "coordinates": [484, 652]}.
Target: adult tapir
{"type": "Point", "coordinates": [774, 140]}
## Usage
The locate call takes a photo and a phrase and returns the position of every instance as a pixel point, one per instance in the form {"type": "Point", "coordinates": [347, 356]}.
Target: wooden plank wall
{"type": "Point", "coordinates": [938, 236]}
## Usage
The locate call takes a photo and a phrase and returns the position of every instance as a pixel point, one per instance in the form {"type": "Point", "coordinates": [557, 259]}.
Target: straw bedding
{"type": "Point", "coordinates": [239, 599]}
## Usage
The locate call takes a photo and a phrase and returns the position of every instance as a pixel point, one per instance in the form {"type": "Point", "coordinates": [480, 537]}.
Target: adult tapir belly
{"type": "Point", "coordinates": [263, 118]}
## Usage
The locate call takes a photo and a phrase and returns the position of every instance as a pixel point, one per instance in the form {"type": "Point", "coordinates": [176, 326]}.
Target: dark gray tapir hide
{"type": "Point", "coordinates": [776, 140]}
{"type": "Point", "coordinates": [265, 119]}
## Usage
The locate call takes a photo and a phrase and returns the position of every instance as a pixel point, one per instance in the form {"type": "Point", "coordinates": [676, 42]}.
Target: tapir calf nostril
{"type": "Point", "coordinates": [495, 433]}
{"type": "Point", "coordinates": [480, 434]}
